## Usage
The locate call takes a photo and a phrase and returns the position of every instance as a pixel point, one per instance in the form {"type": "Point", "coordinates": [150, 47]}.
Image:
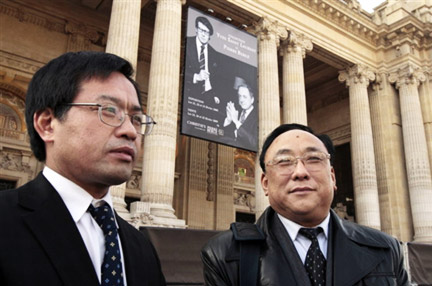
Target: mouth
{"type": "Point", "coordinates": [301, 190]}
{"type": "Point", "coordinates": [124, 153]}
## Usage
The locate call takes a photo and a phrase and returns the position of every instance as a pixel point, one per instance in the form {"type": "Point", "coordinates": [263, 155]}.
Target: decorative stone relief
{"type": "Point", "coordinates": [297, 42]}
{"type": "Point", "coordinates": [244, 199]}
{"type": "Point", "coordinates": [409, 74]}
{"type": "Point", "coordinates": [14, 162]}
{"type": "Point", "coordinates": [267, 29]}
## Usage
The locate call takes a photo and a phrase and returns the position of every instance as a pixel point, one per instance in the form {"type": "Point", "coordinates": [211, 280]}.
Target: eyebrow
{"type": "Point", "coordinates": [289, 151]}
{"type": "Point", "coordinates": [118, 101]}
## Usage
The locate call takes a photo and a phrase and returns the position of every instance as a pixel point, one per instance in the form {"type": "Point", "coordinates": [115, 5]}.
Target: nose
{"type": "Point", "coordinates": [300, 172]}
{"type": "Point", "coordinates": [127, 129]}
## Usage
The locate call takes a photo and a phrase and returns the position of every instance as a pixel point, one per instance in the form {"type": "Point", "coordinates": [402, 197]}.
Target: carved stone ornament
{"type": "Point", "coordinates": [297, 42]}
{"type": "Point", "coordinates": [267, 29]}
{"type": "Point", "coordinates": [409, 74]}
{"type": "Point", "coordinates": [358, 74]}
{"type": "Point", "coordinates": [13, 162]}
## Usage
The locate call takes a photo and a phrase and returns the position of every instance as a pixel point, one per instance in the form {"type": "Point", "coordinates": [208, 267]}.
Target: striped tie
{"type": "Point", "coordinates": [202, 64]}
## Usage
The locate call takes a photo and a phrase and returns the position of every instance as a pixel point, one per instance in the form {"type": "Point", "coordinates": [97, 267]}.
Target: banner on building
{"type": "Point", "coordinates": [220, 100]}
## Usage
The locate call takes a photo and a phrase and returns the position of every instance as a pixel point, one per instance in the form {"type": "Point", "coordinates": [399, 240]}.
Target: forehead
{"type": "Point", "coordinates": [203, 27]}
{"type": "Point", "coordinates": [243, 90]}
{"type": "Point", "coordinates": [116, 87]}
{"type": "Point", "coordinates": [296, 141]}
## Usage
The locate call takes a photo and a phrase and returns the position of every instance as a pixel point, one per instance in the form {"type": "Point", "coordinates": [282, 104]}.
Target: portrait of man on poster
{"type": "Point", "coordinates": [241, 117]}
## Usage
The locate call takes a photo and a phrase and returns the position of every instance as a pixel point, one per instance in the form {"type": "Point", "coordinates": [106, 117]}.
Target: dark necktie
{"type": "Point", "coordinates": [112, 272]}
{"type": "Point", "coordinates": [315, 262]}
{"type": "Point", "coordinates": [243, 116]}
{"type": "Point", "coordinates": [202, 64]}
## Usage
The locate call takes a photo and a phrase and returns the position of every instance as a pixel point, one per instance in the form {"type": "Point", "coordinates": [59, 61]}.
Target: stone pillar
{"type": "Point", "coordinates": [162, 105]}
{"type": "Point", "coordinates": [123, 34]}
{"type": "Point", "coordinates": [269, 33]}
{"type": "Point", "coordinates": [395, 209]}
{"type": "Point", "coordinates": [362, 148]}
{"type": "Point", "coordinates": [407, 80]}
{"type": "Point", "coordinates": [425, 93]}
{"type": "Point", "coordinates": [294, 94]}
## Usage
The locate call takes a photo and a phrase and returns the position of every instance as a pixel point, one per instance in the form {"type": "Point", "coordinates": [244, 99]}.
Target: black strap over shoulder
{"type": "Point", "coordinates": [250, 237]}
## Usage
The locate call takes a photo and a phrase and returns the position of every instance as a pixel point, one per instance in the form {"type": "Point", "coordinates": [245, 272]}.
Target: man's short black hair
{"type": "Point", "coordinates": [58, 83]}
{"type": "Point", "coordinates": [293, 126]}
{"type": "Point", "coordinates": [205, 22]}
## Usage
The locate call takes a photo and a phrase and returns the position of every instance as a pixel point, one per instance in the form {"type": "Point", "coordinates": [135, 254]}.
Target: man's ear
{"type": "Point", "coordinates": [43, 124]}
{"type": "Point", "coordinates": [264, 183]}
{"type": "Point", "coordinates": [333, 176]}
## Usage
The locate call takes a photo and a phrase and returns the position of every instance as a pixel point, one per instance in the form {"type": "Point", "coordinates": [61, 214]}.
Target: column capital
{"type": "Point", "coordinates": [357, 74]}
{"type": "Point", "coordinates": [297, 43]}
{"type": "Point", "coordinates": [83, 30]}
{"type": "Point", "coordinates": [267, 29]}
{"type": "Point", "coordinates": [406, 75]}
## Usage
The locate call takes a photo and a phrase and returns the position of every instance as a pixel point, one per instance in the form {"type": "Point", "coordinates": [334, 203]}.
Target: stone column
{"type": "Point", "coordinates": [395, 209]}
{"type": "Point", "coordinates": [294, 94]}
{"type": "Point", "coordinates": [269, 33]}
{"type": "Point", "coordinates": [123, 34]}
{"type": "Point", "coordinates": [362, 147]}
{"type": "Point", "coordinates": [162, 105]}
{"type": "Point", "coordinates": [407, 80]}
{"type": "Point", "coordinates": [425, 93]}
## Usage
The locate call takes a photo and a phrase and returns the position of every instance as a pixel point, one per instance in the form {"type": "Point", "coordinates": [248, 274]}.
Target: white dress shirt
{"type": "Point", "coordinates": [302, 243]}
{"type": "Point", "coordinates": [77, 201]}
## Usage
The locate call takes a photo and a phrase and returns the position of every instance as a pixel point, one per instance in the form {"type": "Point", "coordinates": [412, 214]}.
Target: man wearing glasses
{"type": "Point", "coordinates": [299, 240]}
{"type": "Point", "coordinates": [85, 121]}
{"type": "Point", "coordinates": [202, 68]}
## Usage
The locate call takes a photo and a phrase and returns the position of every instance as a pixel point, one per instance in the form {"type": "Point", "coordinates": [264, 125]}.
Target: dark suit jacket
{"type": "Point", "coordinates": [247, 134]}
{"type": "Point", "coordinates": [192, 66]}
{"type": "Point", "coordinates": [41, 245]}
{"type": "Point", "coordinates": [357, 255]}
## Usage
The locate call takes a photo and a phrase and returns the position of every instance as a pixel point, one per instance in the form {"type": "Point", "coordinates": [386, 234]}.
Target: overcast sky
{"type": "Point", "coordinates": [368, 5]}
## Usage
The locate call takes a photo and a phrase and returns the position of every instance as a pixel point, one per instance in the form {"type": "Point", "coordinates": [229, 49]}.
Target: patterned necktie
{"type": "Point", "coordinates": [112, 272]}
{"type": "Point", "coordinates": [315, 262]}
{"type": "Point", "coordinates": [202, 64]}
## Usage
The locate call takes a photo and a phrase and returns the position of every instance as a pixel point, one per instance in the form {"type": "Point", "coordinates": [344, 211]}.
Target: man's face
{"type": "Point", "coordinates": [302, 196]}
{"type": "Point", "coordinates": [245, 99]}
{"type": "Point", "coordinates": [203, 33]}
{"type": "Point", "coordinates": [89, 152]}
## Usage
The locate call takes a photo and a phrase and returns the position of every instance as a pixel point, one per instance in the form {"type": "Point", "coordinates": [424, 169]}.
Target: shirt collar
{"type": "Point", "coordinates": [76, 199]}
{"type": "Point", "coordinates": [293, 228]}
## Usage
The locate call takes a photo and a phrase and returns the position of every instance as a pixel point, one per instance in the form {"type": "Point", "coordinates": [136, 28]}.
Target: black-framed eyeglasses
{"type": "Point", "coordinates": [205, 32]}
{"type": "Point", "coordinates": [114, 116]}
{"type": "Point", "coordinates": [286, 164]}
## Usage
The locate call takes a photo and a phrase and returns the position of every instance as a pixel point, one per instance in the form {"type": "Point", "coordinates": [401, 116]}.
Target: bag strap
{"type": "Point", "coordinates": [250, 238]}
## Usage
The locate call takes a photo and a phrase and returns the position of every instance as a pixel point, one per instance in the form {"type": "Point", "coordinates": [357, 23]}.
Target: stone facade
{"type": "Point", "coordinates": [364, 79]}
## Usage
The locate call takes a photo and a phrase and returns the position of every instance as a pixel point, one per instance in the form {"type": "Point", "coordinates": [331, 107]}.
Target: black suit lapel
{"type": "Point", "coordinates": [54, 228]}
{"type": "Point", "coordinates": [298, 274]}
{"type": "Point", "coordinates": [351, 260]}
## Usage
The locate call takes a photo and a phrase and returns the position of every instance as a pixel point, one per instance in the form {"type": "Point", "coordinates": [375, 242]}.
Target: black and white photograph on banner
{"type": "Point", "coordinates": [220, 100]}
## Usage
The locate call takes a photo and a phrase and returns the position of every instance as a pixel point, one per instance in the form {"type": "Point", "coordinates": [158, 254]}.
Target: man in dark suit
{"type": "Point", "coordinates": [300, 240]}
{"type": "Point", "coordinates": [241, 125]}
{"type": "Point", "coordinates": [202, 72]}
{"type": "Point", "coordinates": [84, 117]}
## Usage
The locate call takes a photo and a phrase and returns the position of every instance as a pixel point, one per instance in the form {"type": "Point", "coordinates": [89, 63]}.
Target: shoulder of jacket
{"type": "Point", "coordinates": [367, 236]}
